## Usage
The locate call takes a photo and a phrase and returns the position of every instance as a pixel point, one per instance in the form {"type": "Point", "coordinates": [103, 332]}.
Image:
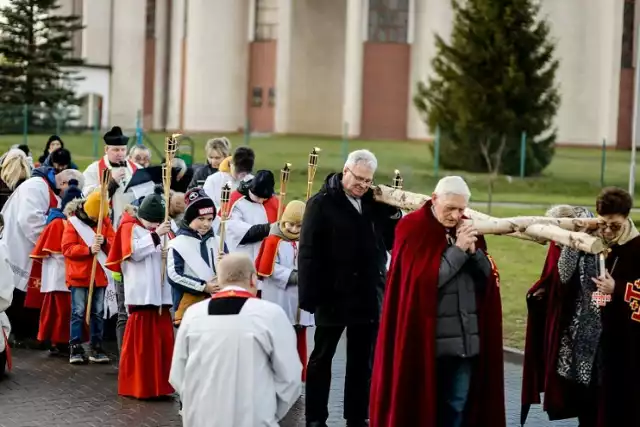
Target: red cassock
{"type": "Point", "coordinates": [147, 346]}
{"type": "Point", "coordinates": [55, 315]}
{"type": "Point", "coordinates": [265, 261]}
{"type": "Point", "coordinates": [403, 384]}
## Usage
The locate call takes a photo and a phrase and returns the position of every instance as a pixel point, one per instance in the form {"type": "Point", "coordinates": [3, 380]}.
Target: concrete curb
{"type": "Point", "coordinates": [513, 355]}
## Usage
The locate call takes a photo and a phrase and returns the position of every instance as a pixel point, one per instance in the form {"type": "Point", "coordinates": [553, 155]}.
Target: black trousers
{"type": "Point", "coordinates": [24, 321]}
{"type": "Point", "coordinates": [360, 345]}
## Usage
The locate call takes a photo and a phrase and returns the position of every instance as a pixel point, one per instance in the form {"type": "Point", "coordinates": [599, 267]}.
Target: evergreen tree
{"type": "Point", "coordinates": [494, 80]}
{"type": "Point", "coordinates": [35, 43]}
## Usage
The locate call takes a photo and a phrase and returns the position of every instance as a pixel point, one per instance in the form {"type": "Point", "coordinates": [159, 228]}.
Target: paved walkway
{"type": "Point", "coordinates": [44, 391]}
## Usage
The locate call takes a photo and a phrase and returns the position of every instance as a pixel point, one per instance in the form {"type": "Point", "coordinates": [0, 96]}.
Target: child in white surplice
{"type": "Point", "coordinates": [137, 254]}
{"type": "Point", "coordinates": [193, 254]}
{"type": "Point", "coordinates": [277, 267]}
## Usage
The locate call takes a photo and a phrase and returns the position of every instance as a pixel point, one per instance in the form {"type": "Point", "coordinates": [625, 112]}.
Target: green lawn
{"type": "Point", "coordinates": [573, 177]}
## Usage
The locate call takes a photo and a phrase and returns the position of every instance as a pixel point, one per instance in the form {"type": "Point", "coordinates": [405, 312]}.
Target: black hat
{"type": "Point", "coordinates": [263, 184]}
{"type": "Point", "coordinates": [243, 159]}
{"type": "Point", "coordinates": [71, 193]}
{"type": "Point", "coordinates": [115, 137]}
{"type": "Point", "coordinates": [198, 204]}
{"type": "Point", "coordinates": [153, 206]}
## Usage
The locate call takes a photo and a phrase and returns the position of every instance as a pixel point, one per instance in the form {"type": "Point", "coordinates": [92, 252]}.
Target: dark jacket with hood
{"type": "Point", "coordinates": [201, 174]}
{"type": "Point", "coordinates": [343, 255]}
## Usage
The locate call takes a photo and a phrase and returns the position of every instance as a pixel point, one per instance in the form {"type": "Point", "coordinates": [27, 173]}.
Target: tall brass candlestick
{"type": "Point", "coordinates": [312, 166]}
{"type": "Point", "coordinates": [284, 179]}
{"type": "Point", "coordinates": [225, 196]}
{"type": "Point", "coordinates": [170, 149]}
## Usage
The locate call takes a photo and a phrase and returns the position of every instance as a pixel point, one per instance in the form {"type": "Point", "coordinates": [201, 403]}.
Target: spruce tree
{"type": "Point", "coordinates": [35, 44]}
{"type": "Point", "coordinates": [494, 80]}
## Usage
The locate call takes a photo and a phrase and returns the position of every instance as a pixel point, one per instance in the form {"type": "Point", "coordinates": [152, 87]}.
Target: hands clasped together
{"type": "Point", "coordinates": [466, 238]}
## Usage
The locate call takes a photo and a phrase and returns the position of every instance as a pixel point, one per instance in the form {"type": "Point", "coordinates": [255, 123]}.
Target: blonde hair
{"type": "Point", "coordinates": [14, 168]}
{"type": "Point", "coordinates": [235, 269]}
{"type": "Point", "coordinates": [221, 145]}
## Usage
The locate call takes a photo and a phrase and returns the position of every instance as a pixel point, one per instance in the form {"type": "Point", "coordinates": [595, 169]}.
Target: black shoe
{"type": "Point", "coordinates": [98, 355]}
{"type": "Point", "coordinates": [76, 356]}
{"type": "Point", "coordinates": [357, 423]}
{"type": "Point", "coordinates": [316, 424]}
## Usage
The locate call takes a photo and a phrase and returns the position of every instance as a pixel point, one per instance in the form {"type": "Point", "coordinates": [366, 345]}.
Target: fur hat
{"type": "Point", "coordinates": [293, 213]}
{"type": "Point", "coordinates": [115, 137]}
{"type": "Point", "coordinates": [198, 204]}
{"type": "Point", "coordinates": [263, 184]}
{"type": "Point", "coordinates": [71, 193]}
{"type": "Point", "coordinates": [153, 206]}
{"type": "Point", "coordinates": [91, 206]}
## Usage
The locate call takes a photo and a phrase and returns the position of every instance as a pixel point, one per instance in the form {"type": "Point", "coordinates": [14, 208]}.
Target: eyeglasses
{"type": "Point", "coordinates": [360, 179]}
{"type": "Point", "coordinates": [613, 226]}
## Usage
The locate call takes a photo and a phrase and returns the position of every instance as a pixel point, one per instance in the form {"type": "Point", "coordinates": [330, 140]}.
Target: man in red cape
{"type": "Point", "coordinates": [404, 386]}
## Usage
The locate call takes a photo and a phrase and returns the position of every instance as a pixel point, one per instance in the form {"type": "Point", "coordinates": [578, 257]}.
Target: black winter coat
{"type": "Point", "coordinates": [343, 255]}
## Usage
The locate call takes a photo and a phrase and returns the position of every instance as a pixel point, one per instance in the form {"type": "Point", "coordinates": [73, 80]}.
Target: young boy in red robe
{"type": "Point", "coordinates": [55, 315]}
{"type": "Point", "coordinates": [277, 267]}
{"type": "Point", "coordinates": [147, 347]}
{"type": "Point", "coordinates": [80, 242]}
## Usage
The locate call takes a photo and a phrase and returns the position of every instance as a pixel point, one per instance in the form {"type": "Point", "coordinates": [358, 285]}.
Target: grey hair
{"type": "Point", "coordinates": [365, 157]}
{"type": "Point", "coordinates": [140, 147]}
{"type": "Point", "coordinates": [452, 186]}
{"type": "Point", "coordinates": [69, 174]}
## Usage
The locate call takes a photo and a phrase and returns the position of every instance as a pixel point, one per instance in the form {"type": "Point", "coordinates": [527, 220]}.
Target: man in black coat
{"type": "Point", "coordinates": [341, 276]}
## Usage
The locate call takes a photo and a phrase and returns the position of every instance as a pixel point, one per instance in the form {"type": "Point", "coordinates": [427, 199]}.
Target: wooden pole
{"type": "Point", "coordinates": [104, 194]}
{"type": "Point", "coordinates": [170, 148]}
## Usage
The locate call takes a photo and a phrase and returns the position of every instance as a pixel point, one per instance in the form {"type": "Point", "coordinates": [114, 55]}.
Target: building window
{"type": "Point", "coordinates": [266, 21]}
{"type": "Point", "coordinates": [76, 41]}
{"type": "Point", "coordinates": [151, 19]}
{"type": "Point", "coordinates": [628, 35]}
{"type": "Point", "coordinates": [388, 21]}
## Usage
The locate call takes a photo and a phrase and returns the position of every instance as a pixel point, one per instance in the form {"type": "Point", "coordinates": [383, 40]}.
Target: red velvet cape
{"type": "Point", "coordinates": [403, 385]}
{"type": "Point", "coordinates": [548, 314]}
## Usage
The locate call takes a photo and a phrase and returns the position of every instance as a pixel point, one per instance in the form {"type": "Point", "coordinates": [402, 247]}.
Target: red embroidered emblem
{"type": "Point", "coordinates": [632, 297]}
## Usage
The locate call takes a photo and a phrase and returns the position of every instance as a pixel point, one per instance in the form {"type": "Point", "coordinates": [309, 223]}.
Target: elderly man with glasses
{"type": "Point", "coordinates": [341, 274]}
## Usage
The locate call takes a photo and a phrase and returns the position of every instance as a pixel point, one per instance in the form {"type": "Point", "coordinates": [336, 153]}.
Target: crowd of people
{"type": "Point", "coordinates": [214, 297]}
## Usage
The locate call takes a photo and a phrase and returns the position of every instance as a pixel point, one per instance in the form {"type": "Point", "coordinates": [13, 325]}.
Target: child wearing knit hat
{"type": "Point", "coordinates": [194, 254]}
{"type": "Point", "coordinates": [137, 253]}
{"type": "Point", "coordinates": [81, 241]}
{"type": "Point", "coordinates": [277, 267]}
{"type": "Point", "coordinates": [55, 314]}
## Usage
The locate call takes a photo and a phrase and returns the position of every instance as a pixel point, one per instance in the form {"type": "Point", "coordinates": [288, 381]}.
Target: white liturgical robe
{"type": "Point", "coordinates": [274, 288]}
{"type": "Point", "coordinates": [236, 370]}
{"type": "Point", "coordinates": [25, 215]}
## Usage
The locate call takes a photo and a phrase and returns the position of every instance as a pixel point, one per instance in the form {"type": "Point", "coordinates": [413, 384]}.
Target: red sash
{"type": "Point", "coordinates": [34, 297]}
{"type": "Point", "coordinates": [233, 293]}
{"type": "Point", "coordinates": [102, 165]}
{"type": "Point", "coordinates": [7, 349]}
